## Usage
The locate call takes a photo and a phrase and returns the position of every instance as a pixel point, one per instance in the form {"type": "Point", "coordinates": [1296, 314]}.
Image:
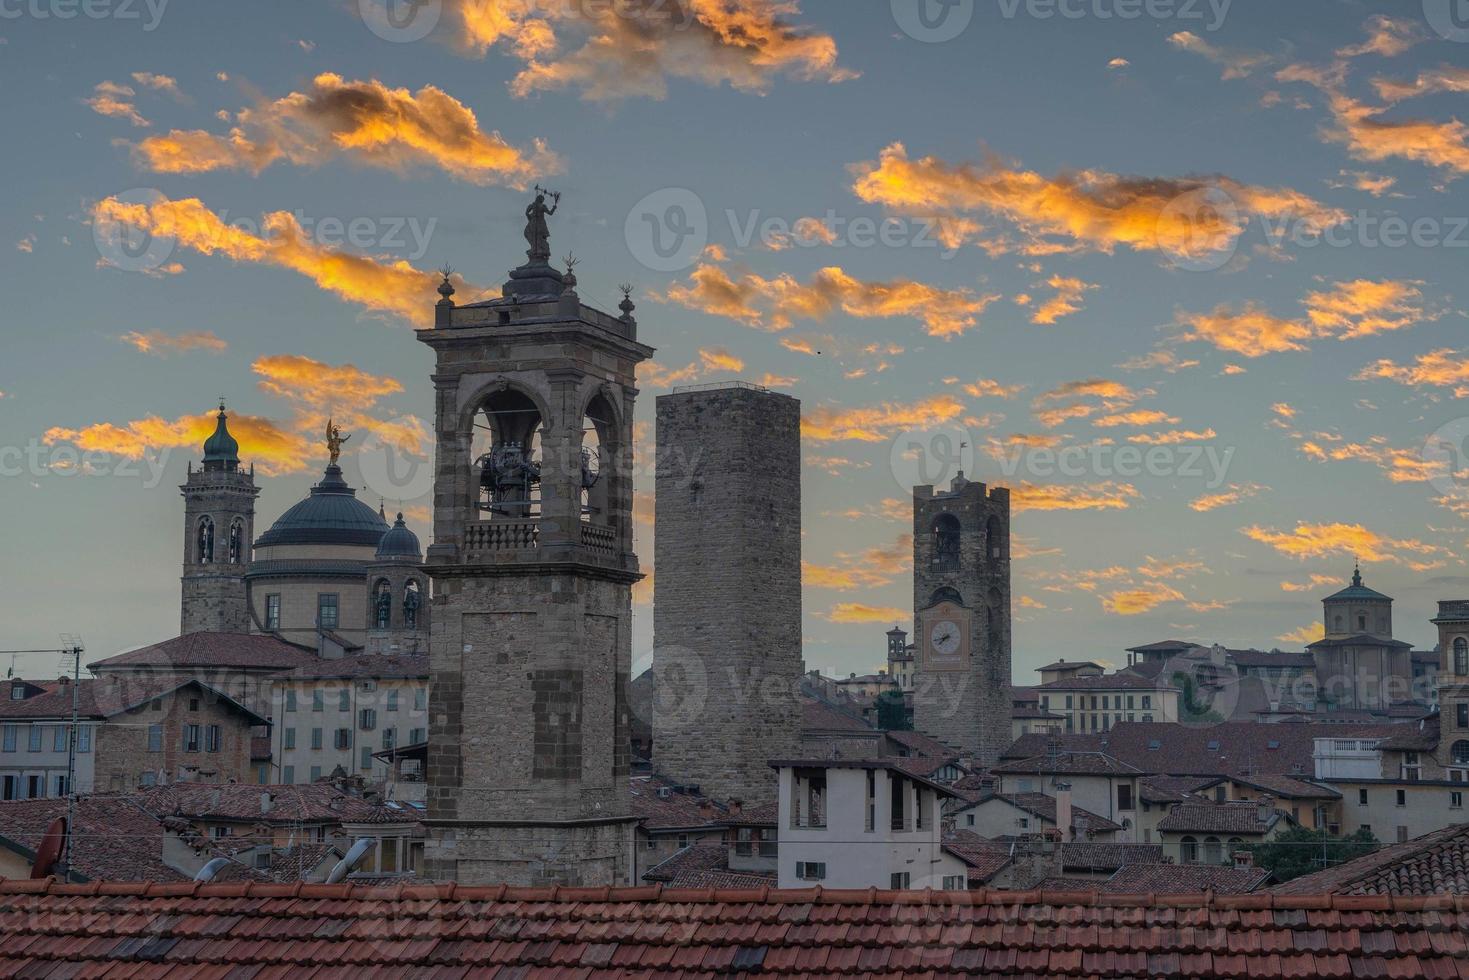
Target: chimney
{"type": "Point", "coordinates": [266, 802]}
{"type": "Point", "coordinates": [706, 810]}
{"type": "Point", "coordinates": [1063, 812]}
{"type": "Point", "coordinates": [735, 807]}
{"type": "Point", "coordinates": [1244, 859]}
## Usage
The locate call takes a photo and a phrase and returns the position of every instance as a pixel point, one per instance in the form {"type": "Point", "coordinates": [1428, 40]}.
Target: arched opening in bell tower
{"type": "Point", "coordinates": [946, 532]}
{"type": "Point", "coordinates": [599, 448]}
{"type": "Point", "coordinates": [506, 448]}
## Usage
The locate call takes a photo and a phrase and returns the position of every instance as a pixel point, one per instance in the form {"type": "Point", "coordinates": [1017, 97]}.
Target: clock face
{"type": "Point", "coordinates": [944, 637]}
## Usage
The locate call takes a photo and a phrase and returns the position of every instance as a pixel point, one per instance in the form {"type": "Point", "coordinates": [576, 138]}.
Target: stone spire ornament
{"type": "Point", "coordinates": [627, 305]}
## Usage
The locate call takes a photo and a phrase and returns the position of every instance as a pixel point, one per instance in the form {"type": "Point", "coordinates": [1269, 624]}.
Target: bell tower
{"type": "Point", "coordinates": [532, 568]}
{"type": "Point", "coordinates": [219, 524]}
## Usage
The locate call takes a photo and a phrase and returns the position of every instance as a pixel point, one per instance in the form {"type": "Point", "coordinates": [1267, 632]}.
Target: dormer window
{"type": "Point", "coordinates": [17, 692]}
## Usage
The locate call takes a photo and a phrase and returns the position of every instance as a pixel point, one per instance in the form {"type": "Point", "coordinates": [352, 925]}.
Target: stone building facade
{"type": "Point", "coordinates": [1358, 663]}
{"type": "Point", "coordinates": [961, 601]}
{"type": "Point", "coordinates": [190, 733]}
{"type": "Point", "coordinates": [1453, 687]}
{"type": "Point", "coordinates": [533, 567]}
{"type": "Point", "coordinates": [727, 619]}
{"type": "Point", "coordinates": [219, 521]}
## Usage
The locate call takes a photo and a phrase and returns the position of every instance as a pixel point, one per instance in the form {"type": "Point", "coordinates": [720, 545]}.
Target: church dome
{"type": "Point", "coordinates": [1357, 592]}
{"type": "Point", "coordinates": [332, 515]}
{"type": "Point", "coordinates": [399, 542]}
{"type": "Point", "coordinates": [221, 449]}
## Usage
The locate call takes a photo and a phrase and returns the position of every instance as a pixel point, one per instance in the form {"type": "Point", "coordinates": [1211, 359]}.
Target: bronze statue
{"type": "Point", "coordinates": [335, 440]}
{"type": "Point", "coordinates": [537, 232]}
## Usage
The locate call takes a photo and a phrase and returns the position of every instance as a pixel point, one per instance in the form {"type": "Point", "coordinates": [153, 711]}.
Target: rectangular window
{"type": "Point", "coordinates": [84, 738]}
{"type": "Point", "coordinates": [343, 739]}
{"type": "Point", "coordinates": [155, 738]}
{"type": "Point", "coordinates": [326, 610]}
{"type": "Point", "coordinates": [417, 736]}
{"type": "Point", "coordinates": [1461, 715]}
{"type": "Point", "coordinates": [1402, 797]}
{"type": "Point", "coordinates": [420, 699]}
{"type": "Point", "coordinates": [34, 743]}
{"type": "Point", "coordinates": [315, 773]}
{"type": "Point", "coordinates": [367, 719]}
{"type": "Point", "coordinates": [288, 774]}
{"type": "Point", "coordinates": [11, 734]}
{"type": "Point", "coordinates": [392, 704]}
{"type": "Point", "coordinates": [288, 738]}
{"type": "Point", "coordinates": [213, 742]}
{"type": "Point", "coordinates": [34, 787]}
{"type": "Point", "coordinates": [1456, 800]}
{"type": "Point", "coordinates": [147, 779]}
{"type": "Point", "coordinates": [955, 883]}
{"type": "Point", "coordinates": [316, 738]}
{"type": "Point", "coordinates": [60, 784]}
{"type": "Point", "coordinates": [58, 739]}
{"type": "Point", "coordinates": [17, 692]}
{"type": "Point", "coordinates": [1068, 702]}
{"type": "Point", "coordinates": [290, 699]}
{"type": "Point", "coordinates": [1147, 701]}
{"type": "Point", "coordinates": [273, 612]}
{"type": "Point", "coordinates": [897, 801]}
{"type": "Point", "coordinates": [870, 823]}
{"type": "Point", "coordinates": [899, 880]}
{"type": "Point", "coordinates": [344, 700]}
{"type": "Point", "coordinates": [390, 737]}
{"type": "Point", "coordinates": [1124, 796]}
{"type": "Point", "coordinates": [192, 736]}
{"type": "Point", "coordinates": [1402, 835]}
{"type": "Point", "coordinates": [811, 870]}
{"type": "Point", "coordinates": [9, 787]}
{"type": "Point", "coordinates": [1361, 797]}
{"type": "Point", "coordinates": [366, 758]}
{"type": "Point", "coordinates": [218, 832]}
{"type": "Point", "coordinates": [318, 700]}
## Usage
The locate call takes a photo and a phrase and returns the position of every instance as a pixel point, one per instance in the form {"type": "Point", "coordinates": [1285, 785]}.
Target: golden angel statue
{"type": "Point", "coordinates": [335, 440]}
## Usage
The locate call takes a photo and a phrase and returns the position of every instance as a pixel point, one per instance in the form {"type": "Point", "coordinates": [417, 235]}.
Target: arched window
{"type": "Point", "coordinates": [946, 541]}
{"type": "Point", "coordinates": [1362, 621]}
{"type": "Point", "coordinates": [204, 547]}
{"type": "Point", "coordinates": [994, 539]}
{"type": "Point", "coordinates": [382, 605]}
{"type": "Point", "coordinates": [1189, 850]}
{"type": "Point", "coordinates": [412, 599]}
{"type": "Point", "coordinates": [1461, 656]}
{"type": "Point", "coordinates": [1212, 851]}
{"type": "Point", "coordinates": [946, 594]}
{"type": "Point", "coordinates": [507, 453]}
{"type": "Point", "coordinates": [1460, 752]}
{"type": "Point", "coordinates": [237, 541]}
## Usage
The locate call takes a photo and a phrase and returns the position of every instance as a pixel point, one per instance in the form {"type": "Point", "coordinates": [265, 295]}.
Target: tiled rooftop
{"type": "Point", "coordinates": [213, 650]}
{"type": "Point", "coordinates": [1217, 818]}
{"type": "Point", "coordinates": [270, 930]}
{"type": "Point", "coordinates": [310, 802]}
{"type": "Point", "coordinates": [1176, 879]}
{"type": "Point", "coordinates": [1069, 762]}
{"type": "Point", "coordinates": [1432, 864]}
{"type": "Point", "coordinates": [1043, 806]}
{"type": "Point", "coordinates": [1097, 856]}
{"type": "Point", "coordinates": [375, 666]}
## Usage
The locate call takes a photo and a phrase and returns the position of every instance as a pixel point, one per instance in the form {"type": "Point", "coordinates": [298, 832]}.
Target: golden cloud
{"type": "Point", "coordinates": [112, 99]}
{"type": "Point", "coordinates": [1439, 369]}
{"type": "Point", "coordinates": [1145, 598]}
{"type": "Point", "coordinates": [1235, 63]}
{"type": "Point", "coordinates": [775, 304]}
{"type": "Point", "coordinates": [264, 441]}
{"type": "Point", "coordinates": [1139, 417]}
{"type": "Point", "coordinates": [391, 128]}
{"type": "Point", "coordinates": [1386, 36]}
{"type": "Point", "coordinates": [384, 285]}
{"type": "Point", "coordinates": [1088, 209]}
{"type": "Point", "coordinates": [632, 49]}
{"type": "Point", "coordinates": [989, 388]}
{"type": "Point", "coordinates": [160, 343]}
{"type": "Point", "coordinates": [1069, 292]}
{"type": "Point", "coordinates": [1304, 635]}
{"type": "Point", "coordinates": [1173, 437]}
{"type": "Point", "coordinates": [861, 612]}
{"type": "Point", "coordinates": [1308, 540]}
{"type": "Point", "coordinates": [1226, 498]}
{"type": "Point", "coordinates": [1445, 78]}
{"type": "Point", "coordinates": [878, 422]}
{"type": "Point", "coordinates": [1096, 496]}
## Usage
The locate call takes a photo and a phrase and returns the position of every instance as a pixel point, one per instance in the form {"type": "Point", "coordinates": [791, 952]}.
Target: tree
{"type": "Point", "coordinates": [1299, 851]}
{"type": "Point", "coordinates": [892, 715]}
{"type": "Point", "coordinates": [1189, 710]}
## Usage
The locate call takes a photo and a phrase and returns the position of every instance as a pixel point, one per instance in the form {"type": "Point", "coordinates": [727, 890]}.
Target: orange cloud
{"type": "Point", "coordinates": [1440, 369]}
{"type": "Point", "coordinates": [878, 422]}
{"type": "Point", "coordinates": [388, 286]}
{"type": "Point", "coordinates": [1304, 635]}
{"type": "Point", "coordinates": [112, 99]}
{"type": "Point", "coordinates": [719, 359]}
{"type": "Point", "coordinates": [1088, 209]}
{"type": "Point", "coordinates": [1145, 598]}
{"type": "Point", "coordinates": [1136, 418]}
{"type": "Point", "coordinates": [1067, 300]}
{"type": "Point", "coordinates": [861, 612]}
{"type": "Point", "coordinates": [1233, 495]}
{"type": "Point", "coordinates": [631, 50]}
{"type": "Point", "coordinates": [1083, 399]}
{"type": "Point", "coordinates": [1445, 78]}
{"type": "Point", "coordinates": [1309, 540]}
{"type": "Point", "coordinates": [776, 303]}
{"type": "Point", "coordinates": [1096, 496]}
{"type": "Point", "coordinates": [1386, 36]}
{"type": "Point", "coordinates": [988, 388]}
{"type": "Point", "coordinates": [160, 343]}
{"type": "Point", "coordinates": [1172, 438]}
{"type": "Point", "coordinates": [1316, 582]}
{"type": "Point", "coordinates": [379, 126]}
{"type": "Point", "coordinates": [264, 441]}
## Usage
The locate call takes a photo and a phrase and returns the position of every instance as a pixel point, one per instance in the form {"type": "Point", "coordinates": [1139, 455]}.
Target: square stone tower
{"type": "Point", "coordinates": [1453, 686]}
{"type": "Point", "coordinates": [532, 567]}
{"type": "Point", "coordinates": [727, 606]}
{"type": "Point", "coordinates": [961, 602]}
{"type": "Point", "coordinates": [219, 524]}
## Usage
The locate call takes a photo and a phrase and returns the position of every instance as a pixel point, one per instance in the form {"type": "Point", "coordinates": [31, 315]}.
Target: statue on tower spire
{"type": "Point", "coordinates": [537, 232]}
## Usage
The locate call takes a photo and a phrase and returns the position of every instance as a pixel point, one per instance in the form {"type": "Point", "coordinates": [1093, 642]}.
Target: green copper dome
{"type": "Point", "coordinates": [1358, 591]}
{"type": "Point", "coordinates": [221, 450]}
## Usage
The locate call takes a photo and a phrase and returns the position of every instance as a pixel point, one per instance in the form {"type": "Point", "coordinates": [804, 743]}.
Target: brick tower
{"type": "Point", "coordinates": [219, 521]}
{"type": "Point", "coordinates": [961, 602]}
{"type": "Point", "coordinates": [727, 613]}
{"type": "Point", "coordinates": [532, 567]}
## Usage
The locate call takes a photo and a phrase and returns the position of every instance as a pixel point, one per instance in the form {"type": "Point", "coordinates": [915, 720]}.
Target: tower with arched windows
{"type": "Point", "coordinates": [1453, 685]}
{"type": "Point", "coordinates": [533, 567]}
{"type": "Point", "coordinates": [1358, 663]}
{"type": "Point", "coordinates": [219, 520]}
{"type": "Point", "coordinates": [397, 599]}
{"type": "Point", "coordinates": [961, 603]}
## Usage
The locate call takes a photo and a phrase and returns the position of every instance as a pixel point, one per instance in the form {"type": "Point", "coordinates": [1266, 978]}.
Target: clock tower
{"type": "Point", "coordinates": [961, 602]}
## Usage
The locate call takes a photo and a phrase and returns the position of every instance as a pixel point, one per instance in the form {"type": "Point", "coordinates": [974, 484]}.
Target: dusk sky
{"type": "Point", "coordinates": [1188, 276]}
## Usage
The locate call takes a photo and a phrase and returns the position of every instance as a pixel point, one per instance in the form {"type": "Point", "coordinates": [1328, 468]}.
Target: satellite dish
{"type": "Point", "coordinates": [53, 846]}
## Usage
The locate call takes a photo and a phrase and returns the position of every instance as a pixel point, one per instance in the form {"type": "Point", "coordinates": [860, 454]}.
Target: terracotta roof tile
{"type": "Point", "coordinates": [1432, 864]}
{"type": "Point", "coordinates": [193, 650]}
{"type": "Point", "coordinates": [1156, 877]}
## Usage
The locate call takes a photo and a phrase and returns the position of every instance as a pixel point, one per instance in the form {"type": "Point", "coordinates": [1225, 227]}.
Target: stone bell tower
{"type": "Point", "coordinates": [533, 568]}
{"type": "Point", "coordinates": [961, 603]}
{"type": "Point", "coordinates": [219, 524]}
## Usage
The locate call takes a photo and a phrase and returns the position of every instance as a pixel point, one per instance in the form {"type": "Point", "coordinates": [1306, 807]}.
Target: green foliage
{"type": "Point", "coordinates": [892, 716]}
{"type": "Point", "coordinates": [1189, 710]}
{"type": "Point", "coordinates": [1300, 851]}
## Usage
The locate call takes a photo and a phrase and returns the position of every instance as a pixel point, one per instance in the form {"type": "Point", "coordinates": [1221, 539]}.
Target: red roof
{"type": "Point", "coordinates": [291, 930]}
{"type": "Point", "coordinates": [194, 650]}
{"type": "Point", "coordinates": [1133, 879]}
{"type": "Point", "coordinates": [1436, 862]}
